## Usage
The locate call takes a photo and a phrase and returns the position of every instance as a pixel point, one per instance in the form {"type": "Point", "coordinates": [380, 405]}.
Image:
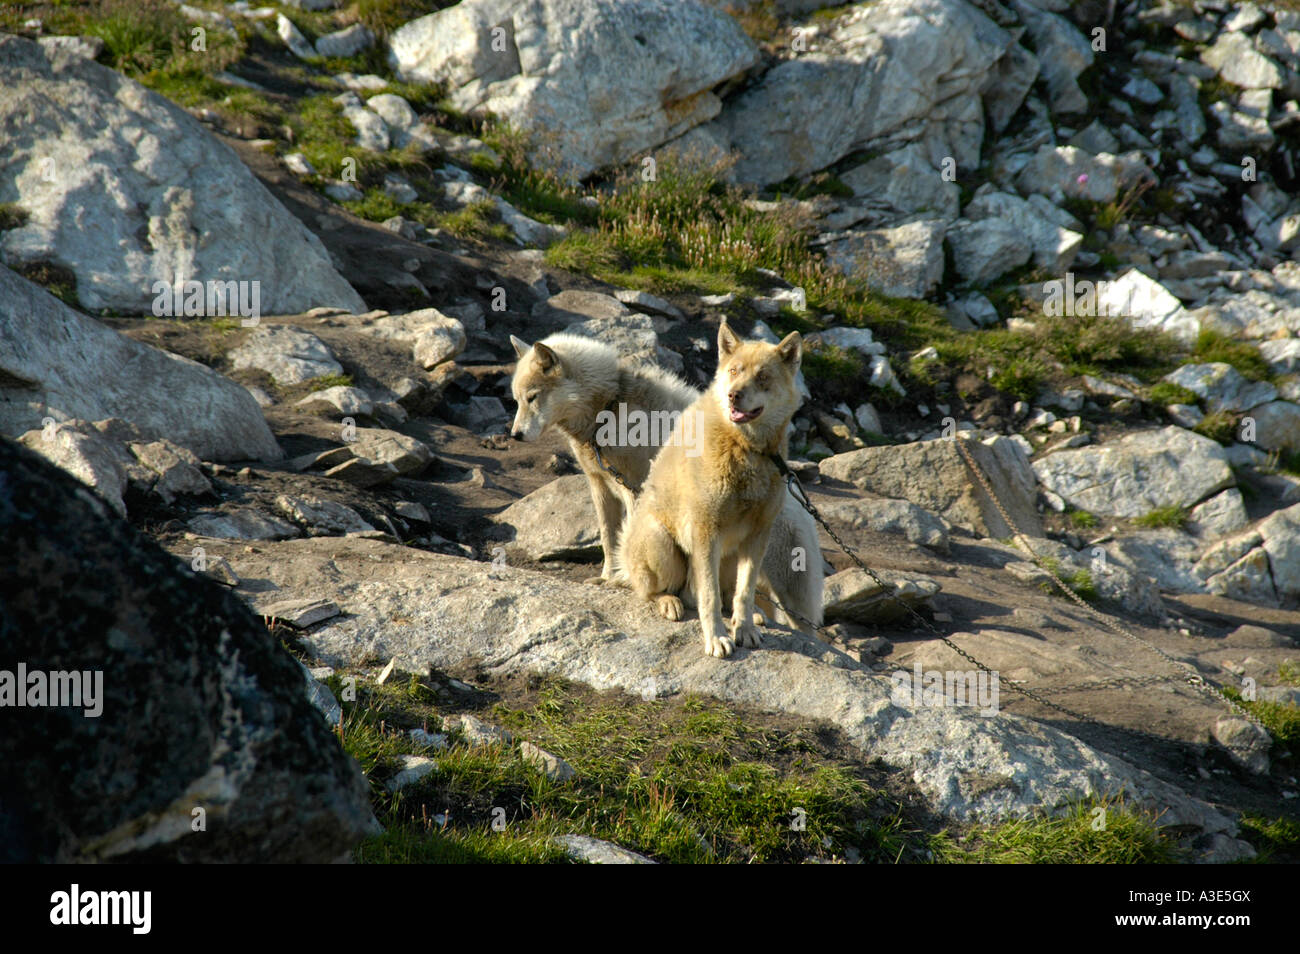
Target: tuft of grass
{"type": "Point", "coordinates": [1219, 426]}
{"type": "Point", "coordinates": [1166, 393]}
{"type": "Point", "coordinates": [1172, 517]}
{"type": "Point", "coordinates": [476, 220]}
{"type": "Point", "coordinates": [1277, 840]}
{"type": "Point", "coordinates": [330, 381]}
{"type": "Point", "coordinates": [12, 216]}
{"type": "Point", "coordinates": [1082, 519]}
{"type": "Point", "coordinates": [1282, 721]}
{"type": "Point", "coordinates": [1212, 346]}
{"type": "Point", "coordinates": [1080, 581]}
{"type": "Point", "coordinates": [1289, 462]}
{"type": "Point", "coordinates": [1019, 376]}
{"type": "Point", "coordinates": [59, 281]}
{"type": "Point", "coordinates": [1288, 673]}
{"type": "Point", "coordinates": [1129, 836]}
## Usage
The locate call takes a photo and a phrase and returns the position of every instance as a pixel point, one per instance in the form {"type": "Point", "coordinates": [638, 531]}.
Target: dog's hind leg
{"type": "Point", "coordinates": [654, 564]}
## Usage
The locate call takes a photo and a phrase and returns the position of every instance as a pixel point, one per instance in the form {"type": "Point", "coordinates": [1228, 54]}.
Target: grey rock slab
{"type": "Point", "coordinates": [129, 191]}
{"type": "Point", "coordinates": [321, 517]}
{"type": "Point", "coordinates": [852, 596]}
{"type": "Point", "coordinates": [414, 768]}
{"type": "Point", "coordinates": [1277, 425]}
{"type": "Point", "coordinates": [555, 522]}
{"type": "Point", "coordinates": [933, 475]}
{"type": "Point", "coordinates": [881, 75]}
{"type": "Point", "coordinates": [603, 80]}
{"type": "Point", "coordinates": [290, 355]}
{"type": "Point", "coordinates": [60, 364]}
{"type": "Point", "coordinates": [430, 609]}
{"type": "Point", "coordinates": [986, 249]}
{"type": "Point", "coordinates": [1140, 472]}
{"type": "Point", "coordinates": [241, 523]}
{"type": "Point", "coordinates": [887, 515]}
{"type": "Point", "coordinates": [905, 260]}
{"type": "Point", "coordinates": [1222, 387]}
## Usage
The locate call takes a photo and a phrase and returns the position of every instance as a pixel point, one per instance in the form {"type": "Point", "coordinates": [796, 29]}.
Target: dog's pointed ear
{"type": "Point", "coordinates": [727, 340]}
{"type": "Point", "coordinates": [546, 358]}
{"type": "Point", "coordinates": [521, 346]}
{"type": "Point", "coordinates": [791, 349]}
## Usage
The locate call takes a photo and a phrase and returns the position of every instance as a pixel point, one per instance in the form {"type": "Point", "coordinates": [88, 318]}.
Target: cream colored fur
{"type": "Point", "coordinates": [570, 380]}
{"type": "Point", "coordinates": [700, 509]}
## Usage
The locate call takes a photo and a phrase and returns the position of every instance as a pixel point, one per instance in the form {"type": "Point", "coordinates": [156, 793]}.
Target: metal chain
{"type": "Point", "coordinates": [614, 471]}
{"type": "Point", "coordinates": [888, 589]}
{"type": "Point", "coordinates": [1193, 679]}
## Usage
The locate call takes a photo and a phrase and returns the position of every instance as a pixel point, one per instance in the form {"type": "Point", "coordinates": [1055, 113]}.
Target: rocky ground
{"type": "Point", "coordinates": [1061, 233]}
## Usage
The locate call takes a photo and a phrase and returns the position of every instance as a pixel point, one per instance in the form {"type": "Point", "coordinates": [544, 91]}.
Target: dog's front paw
{"type": "Point", "coordinates": [595, 580]}
{"type": "Point", "coordinates": [719, 647]}
{"type": "Point", "coordinates": [746, 634]}
{"type": "Point", "coordinates": [669, 607]}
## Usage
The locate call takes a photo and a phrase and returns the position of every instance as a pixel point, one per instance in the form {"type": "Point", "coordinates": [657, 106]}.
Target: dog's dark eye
{"type": "Point", "coordinates": [530, 399]}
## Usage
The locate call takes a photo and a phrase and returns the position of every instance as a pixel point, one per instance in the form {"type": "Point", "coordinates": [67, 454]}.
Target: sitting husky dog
{"type": "Point", "coordinates": [568, 382]}
{"type": "Point", "coordinates": [697, 509]}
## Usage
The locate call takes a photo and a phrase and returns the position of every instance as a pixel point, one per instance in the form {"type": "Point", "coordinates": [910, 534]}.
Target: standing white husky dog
{"type": "Point", "coordinates": [585, 389]}
{"type": "Point", "coordinates": [698, 509]}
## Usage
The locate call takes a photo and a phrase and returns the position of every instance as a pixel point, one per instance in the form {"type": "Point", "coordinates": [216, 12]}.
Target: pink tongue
{"type": "Point", "coordinates": [738, 415]}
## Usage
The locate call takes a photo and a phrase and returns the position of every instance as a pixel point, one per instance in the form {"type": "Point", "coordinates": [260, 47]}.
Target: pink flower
{"type": "Point", "coordinates": [1083, 177]}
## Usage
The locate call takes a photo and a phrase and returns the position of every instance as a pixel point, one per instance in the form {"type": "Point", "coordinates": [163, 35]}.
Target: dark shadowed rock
{"type": "Point", "coordinates": [200, 707]}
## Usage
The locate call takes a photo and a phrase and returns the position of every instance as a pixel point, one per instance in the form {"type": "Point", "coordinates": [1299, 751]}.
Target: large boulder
{"type": "Point", "coordinates": [598, 80]}
{"type": "Point", "coordinates": [882, 75]}
{"type": "Point", "coordinates": [555, 522]}
{"type": "Point", "coordinates": [1139, 473]}
{"type": "Point", "coordinates": [934, 475]}
{"type": "Point", "coordinates": [127, 189]}
{"type": "Point", "coordinates": [57, 363]}
{"type": "Point", "coordinates": [196, 742]}
{"type": "Point", "coordinates": [904, 260]}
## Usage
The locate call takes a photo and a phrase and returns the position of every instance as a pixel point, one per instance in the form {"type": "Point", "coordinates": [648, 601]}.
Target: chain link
{"type": "Point", "coordinates": [1193, 679]}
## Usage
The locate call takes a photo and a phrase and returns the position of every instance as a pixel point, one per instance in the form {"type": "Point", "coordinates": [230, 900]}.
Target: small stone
{"type": "Point", "coordinates": [414, 768]}
{"type": "Point", "coordinates": [552, 766]}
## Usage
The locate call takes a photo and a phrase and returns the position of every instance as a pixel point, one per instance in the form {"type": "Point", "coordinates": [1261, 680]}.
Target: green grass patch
{"type": "Point", "coordinates": [1082, 519]}
{"type": "Point", "coordinates": [476, 220]}
{"type": "Point", "coordinates": [684, 781]}
{"type": "Point", "coordinates": [1213, 346]}
{"type": "Point", "coordinates": [1288, 673]}
{"type": "Point", "coordinates": [1175, 518]}
{"type": "Point", "coordinates": [1219, 426]}
{"type": "Point", "coordinates": [59, 281]}
{"type": "Point", "coordinates": [1277, 840]}
{"type": "Point", "coordinates": [12, 216]}
{"type": "Point", "coordinates": [1282, 721]}
{"type": "Point", "coordinates": [1080, 581]}
{"type": "Point", "coordinates": [1166, 393]}
{"type": "Point", "coordinates": [330, 381]}
{"type": "Point", "coordinates": [1091, 833]}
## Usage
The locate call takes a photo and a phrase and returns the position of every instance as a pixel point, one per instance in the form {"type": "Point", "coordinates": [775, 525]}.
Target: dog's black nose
{"type": "Point", "coordinates": [517, 435]}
